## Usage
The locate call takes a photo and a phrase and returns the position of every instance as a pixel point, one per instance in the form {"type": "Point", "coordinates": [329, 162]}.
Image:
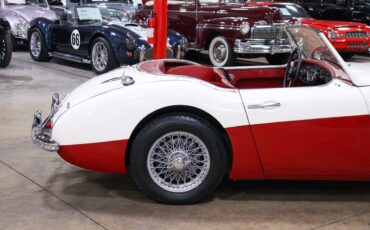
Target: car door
{"type": "Point", "coordinates": [62, 32]}
{"type": "Point", "coordinates": [310, 132]}
{"type": "Point", "coordinates": [72, 38]}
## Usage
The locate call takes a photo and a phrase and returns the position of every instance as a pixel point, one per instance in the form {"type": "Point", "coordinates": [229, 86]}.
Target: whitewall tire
{"type": "Point", "coordinates": [220, 52]}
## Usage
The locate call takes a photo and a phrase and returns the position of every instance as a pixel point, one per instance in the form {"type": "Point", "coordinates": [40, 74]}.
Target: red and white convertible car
{"type": "Point", "coordinates": [181, 127]}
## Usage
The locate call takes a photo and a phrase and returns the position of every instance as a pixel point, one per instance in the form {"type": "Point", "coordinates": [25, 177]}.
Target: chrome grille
{"type": "Point", "coordinates": [356, 35]}
{"type": "Point", "coordinates": [357, 44]}
{"type": "Point", "coordinates": [268, 32]}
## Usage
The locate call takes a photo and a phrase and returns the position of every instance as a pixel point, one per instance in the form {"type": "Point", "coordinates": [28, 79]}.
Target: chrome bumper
{"type": "Point", "coordinates": [40, 135]}
{"type": "Point", "coordinates": [261, 46]}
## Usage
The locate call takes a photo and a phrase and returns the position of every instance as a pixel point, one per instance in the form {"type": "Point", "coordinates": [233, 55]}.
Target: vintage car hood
{"type": "Point", "coordinates": [361, 71]}
{"type": "Point", "coordinates": [138, 30]}
{"type": "Point", "coordinates": [331, 24]}
{"type": "Point", "coordinates": [255, 13]}
{"type": "Point", "coordinates": [141, 31]}
{"type": "Point", "coordinates": [31, 12]}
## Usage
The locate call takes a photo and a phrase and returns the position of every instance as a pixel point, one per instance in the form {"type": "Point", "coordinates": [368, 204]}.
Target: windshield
{"type": "Point", "coordinates": [110, 14]}
{"type": "Point", "coordinates": [292, 11]}
{"type": "Point", "coordinates": [26, 2]}
{"type": "Point", "coordinates": [88, 15]}
{"type": "Point", "coordinates": [315, 46]}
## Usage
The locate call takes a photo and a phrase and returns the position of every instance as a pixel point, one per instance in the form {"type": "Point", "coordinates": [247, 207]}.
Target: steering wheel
{"type": "Point", "coordinates": [293, 67]}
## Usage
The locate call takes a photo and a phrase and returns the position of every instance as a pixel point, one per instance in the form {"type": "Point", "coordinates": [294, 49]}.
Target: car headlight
{"type": "Point", "coordinates": [244, 28]}
{"type": "Point", "coordinates": [22, 26]}
{"type": "Point", "coordinates": [331, 34]}
{"type": "Point", "coordinates": [130, 44]}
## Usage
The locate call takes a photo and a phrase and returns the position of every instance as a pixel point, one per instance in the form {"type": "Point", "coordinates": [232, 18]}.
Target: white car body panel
{"type": "Point", "coordinates": [366, 93]}
{"type": "Point", "coordinates": [113, 110]}
{"type": "Point", "coordinates": [361, 71]}
{"type": "Point", "coordinates": [336, 99]}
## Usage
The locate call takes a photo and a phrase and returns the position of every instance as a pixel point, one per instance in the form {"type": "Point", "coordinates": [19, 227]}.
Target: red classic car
{"type": "Point", "coordinates": [226, 28]}
{"type": "Point", "coordinates": [348, 38]}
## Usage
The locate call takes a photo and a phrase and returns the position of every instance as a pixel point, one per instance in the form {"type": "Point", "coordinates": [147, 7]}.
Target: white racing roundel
{"type": "Point", "coordinates": [75, 39]}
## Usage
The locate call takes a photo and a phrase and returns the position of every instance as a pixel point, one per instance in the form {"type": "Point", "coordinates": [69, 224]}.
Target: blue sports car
{"type": "Point", "coordinates": [81, 35]}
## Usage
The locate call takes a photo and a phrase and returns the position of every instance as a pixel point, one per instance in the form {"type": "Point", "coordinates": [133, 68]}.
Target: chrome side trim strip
{"type": "Point", "coordinates": [216, 27]}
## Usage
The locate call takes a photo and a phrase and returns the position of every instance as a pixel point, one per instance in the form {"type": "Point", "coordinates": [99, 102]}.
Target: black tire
{"type": "Point", "coordinates": [164, 126]}
{"type": "Point", "coordinates": [278, 59]}
{"type": "Point", "coordinates": [216, 44]}
{"type": "Point", "coordinates": [43, 54]}
{"type": "Point", "coordinates": [111, 63]}
{"type": "Point", "coordinates": [7, 49]}
{"type": "Point", "coordinates": [14, 43]}
{"type": "Point", "coordinates": [347, 56]}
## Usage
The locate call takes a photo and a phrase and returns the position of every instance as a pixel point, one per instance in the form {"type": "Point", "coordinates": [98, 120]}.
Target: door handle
{"type": "Point", "coordinates": [266, 105]}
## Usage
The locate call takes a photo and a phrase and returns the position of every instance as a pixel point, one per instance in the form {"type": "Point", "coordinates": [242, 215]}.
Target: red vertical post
{"type": "Point", "coordinates": [160, 29]}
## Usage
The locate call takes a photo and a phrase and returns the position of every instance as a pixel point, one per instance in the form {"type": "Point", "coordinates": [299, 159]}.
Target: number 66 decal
{"type": "Point", "coordinates": [75, 39]}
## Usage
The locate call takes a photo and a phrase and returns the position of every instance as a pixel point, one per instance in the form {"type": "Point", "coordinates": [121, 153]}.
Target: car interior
{"type": "Point", "coordinates": [310, 73]}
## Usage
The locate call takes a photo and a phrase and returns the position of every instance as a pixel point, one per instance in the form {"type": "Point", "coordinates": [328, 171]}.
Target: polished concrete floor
{"type": "Point", "coordinates": [38, 190]}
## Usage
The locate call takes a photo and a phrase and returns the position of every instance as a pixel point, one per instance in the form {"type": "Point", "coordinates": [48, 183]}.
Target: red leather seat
{"type": "Point", "coordinates": [204, 73]}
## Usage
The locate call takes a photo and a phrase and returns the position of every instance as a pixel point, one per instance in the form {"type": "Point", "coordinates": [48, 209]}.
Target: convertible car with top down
{"type": "Point", "coordinates": [81, 35]}
{"type": "Point", "coordinates": [180, 128]}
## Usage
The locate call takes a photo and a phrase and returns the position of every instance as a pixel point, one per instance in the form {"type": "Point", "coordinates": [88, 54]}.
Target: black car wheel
{"type": "Point", "coordinates": [6, 49]}
{"type": "Point", "coordinates": [278, 59]}
{"type": "Point", "coordinates": [37, 46]}
{"type": "Point", "coordinates": [220, 52]}
{"type": "Point", "coordinates": [102, 56]}
{"type": "Point", "coordinates": [178, 159]}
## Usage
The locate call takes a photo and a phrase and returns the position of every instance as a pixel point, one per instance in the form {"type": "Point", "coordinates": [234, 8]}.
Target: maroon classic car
{"type": "Point", "coordinates": [226, 28]}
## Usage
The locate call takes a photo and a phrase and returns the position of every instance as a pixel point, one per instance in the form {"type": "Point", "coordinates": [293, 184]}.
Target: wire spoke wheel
{"type": "Point", "coordinates": [178, 161]}
{"type": "Point", "coordinates": [100, 56]}
{"type": "Point", "coordinates": [35, 44]}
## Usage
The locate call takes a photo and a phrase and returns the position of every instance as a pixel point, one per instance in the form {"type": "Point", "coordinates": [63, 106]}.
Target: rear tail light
{"type": "Point", "coordinates": [49, 125]}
